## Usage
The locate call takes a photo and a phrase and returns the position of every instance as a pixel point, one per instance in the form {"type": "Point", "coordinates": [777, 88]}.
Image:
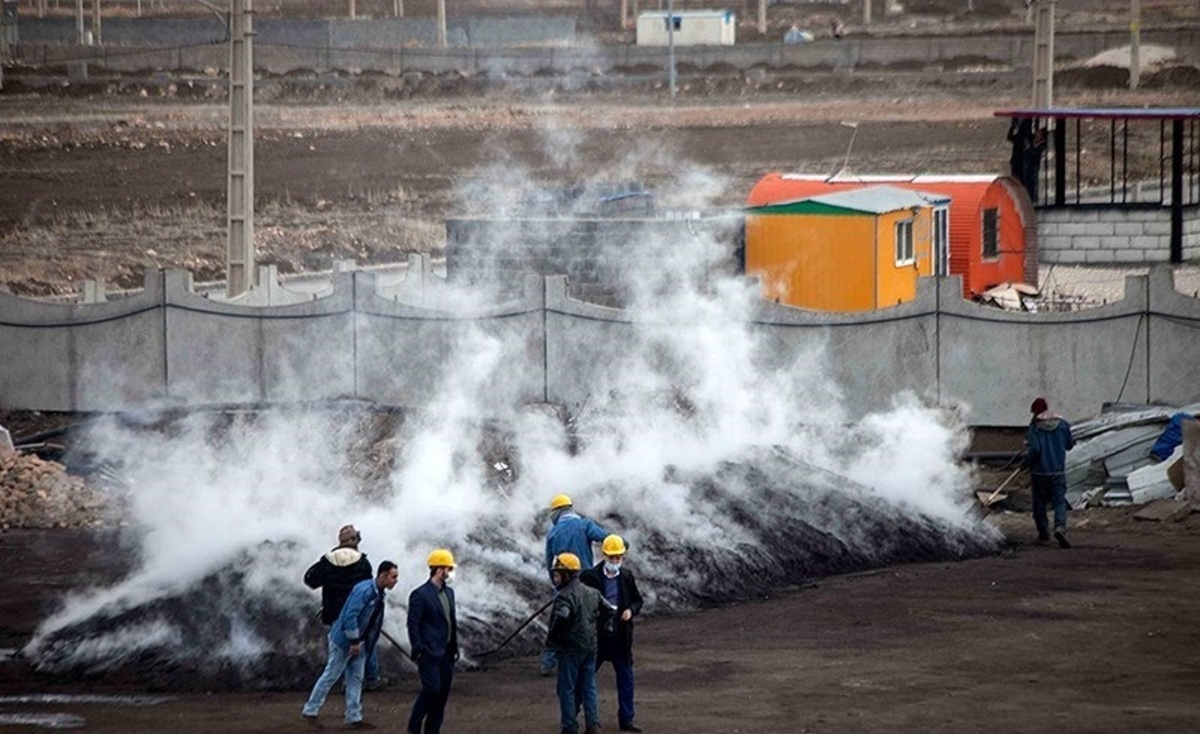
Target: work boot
{"type": "Point", "coordinates": [312, 721]}
{"type": "Point", "coordinates": [592, 729]}
{"type": "Point", "coordinates": [361, 725]}
{"type": "Point", "coordinates": [375, 685]}
{"type": "Point", "coordinates": [1060, 534]}
{"type": "Point", "coordinates": [1043, 540]}
{"type": "Point", "coordinates": [630, 727]}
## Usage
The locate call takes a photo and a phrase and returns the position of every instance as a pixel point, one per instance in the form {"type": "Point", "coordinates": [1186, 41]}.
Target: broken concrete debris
{"type": "Point", "coordinates": [35, 493]}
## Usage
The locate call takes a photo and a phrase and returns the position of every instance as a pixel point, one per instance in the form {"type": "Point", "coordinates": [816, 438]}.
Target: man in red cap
{"type": "Point", "coordinates": [1047, 442]}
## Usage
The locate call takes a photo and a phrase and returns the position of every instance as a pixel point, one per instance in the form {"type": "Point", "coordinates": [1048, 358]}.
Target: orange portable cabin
{"type": "Point", "coordinates": [993, 230]}
{"type": "Point", "coordinates": [854, 250]}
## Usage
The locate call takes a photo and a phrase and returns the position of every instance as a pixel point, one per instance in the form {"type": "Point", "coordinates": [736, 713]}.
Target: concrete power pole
{"type": "Point", "coordinates": [671, 46]}
{"type": "Point", "coordinates": [762, 17]}
{"type": "Point", "coordinates": [96, 29]}
{"type": "Point", "coordinates": [239, 264]}
{"type": "Point", "coordinates": [80, 36]}
{"type": "Point", "coordinates": [441, 21]}
{"type": "Point", "coordinates": [1043, 54]}
{"type": "Point", "coordinates": [352, 12]}
{"type": "Point", "coordinates": [1135, 43]}
{"type": "Point", "coordinates": [866, 12]}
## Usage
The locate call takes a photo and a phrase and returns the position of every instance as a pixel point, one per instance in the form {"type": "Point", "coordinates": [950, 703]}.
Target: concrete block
{"type": "Point", "coordinates": [1156, 256]}
{"type": "Point", "coordinates": [1051, 243]}
{"type": "Point", "coordinates": [1069, 257]}
{"type": "Point", "coordinates": [1158, 226]}
{"type": "Point", "coordinates": [1086, 243]}
{"type": "Point", "coordinates": [1130, 256]}
{"type": "Point", "coordinates": [1075, 228]}
{"type": "Point", "coordinates": [1099, 256]}
{"type": "Point", "coordinates": [1128, 228]}
{"type": "Point", "coordinates": [1149, 242]}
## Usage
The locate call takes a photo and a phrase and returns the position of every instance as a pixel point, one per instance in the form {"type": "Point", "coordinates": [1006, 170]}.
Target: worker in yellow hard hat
{"type": "Point", "coordinates": [619, 588]}
{"type": "Point", "coordinates": [577, 613]}
{"type": "Point", "coordinates": [569, 533]}
{"type": "Point", "coordinates": [433, 637]}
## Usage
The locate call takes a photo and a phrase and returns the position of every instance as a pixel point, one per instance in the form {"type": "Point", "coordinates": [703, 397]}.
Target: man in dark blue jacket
{"type": "Point", "coordinates": [1047, 442]}
{"type": "Point", "coordinates": [351, 640]}
{"type": "Point", "coordinates": [433, 636]}
{"type": "Point", "coordinates": [620, 590]}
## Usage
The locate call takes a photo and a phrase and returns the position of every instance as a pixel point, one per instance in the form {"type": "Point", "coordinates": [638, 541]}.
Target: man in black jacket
{"type": "Point", "coordinates": [618, 586]}
{"type": "Point", "coordinates": [335, 574]}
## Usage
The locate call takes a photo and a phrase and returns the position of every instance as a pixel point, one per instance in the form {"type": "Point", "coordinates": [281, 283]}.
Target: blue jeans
{"type": "Point", "coordinates": [577, 687]}
{"type": "Point", "coordinates": [340, 662]}
{"type": "Point", "coordinates": [612, 651]}
{"type": "Point", "coordinates": [371, 671]}
{"type": "Point", "coordinates": [437, 675]}
{"type": "Point", "coordinates": [1049, 489]}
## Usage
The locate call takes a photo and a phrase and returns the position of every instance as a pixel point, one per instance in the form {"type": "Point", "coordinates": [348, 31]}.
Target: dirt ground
{"type": "Point", "coordinates": [1098, 638]}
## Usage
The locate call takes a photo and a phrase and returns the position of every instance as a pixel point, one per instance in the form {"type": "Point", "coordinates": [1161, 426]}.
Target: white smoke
{"type": "Point", "coordinates": [693, 391]}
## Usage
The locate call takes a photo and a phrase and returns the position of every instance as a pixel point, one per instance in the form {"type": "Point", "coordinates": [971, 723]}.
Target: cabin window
{"type": "Point", "coordinates": [991, 233]}
{"type": "Point", "coordinates": [941, 240]}
{"type": "Point", "coordinates": [904, 242]}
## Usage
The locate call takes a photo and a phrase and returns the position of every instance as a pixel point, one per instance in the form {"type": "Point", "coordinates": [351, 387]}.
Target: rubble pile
{"type": "Point", "coordinates": [35, 493]}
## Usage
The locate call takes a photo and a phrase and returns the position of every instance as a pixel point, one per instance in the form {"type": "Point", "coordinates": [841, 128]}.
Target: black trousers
{"type": "Point", "coordinates": [437, 675]}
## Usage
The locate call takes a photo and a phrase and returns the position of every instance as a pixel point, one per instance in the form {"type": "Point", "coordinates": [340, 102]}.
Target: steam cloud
{"type": "Point", "coordinates": [707, 458]}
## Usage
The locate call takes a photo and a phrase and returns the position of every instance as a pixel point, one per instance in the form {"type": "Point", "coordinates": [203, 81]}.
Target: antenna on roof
{"type": "Point", "coordinates": [846, 162]}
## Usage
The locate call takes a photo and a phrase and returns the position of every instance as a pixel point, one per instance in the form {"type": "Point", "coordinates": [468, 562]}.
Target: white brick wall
{"type": "Point", "coordinates": [1104, 236]}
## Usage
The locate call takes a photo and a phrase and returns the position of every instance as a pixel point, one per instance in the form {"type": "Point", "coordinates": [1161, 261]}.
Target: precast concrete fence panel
{"type": "Point", "coordinates": [585, 344]}
{"type": "Point", "coordinates": [412, 356]}
{"type": "Point", "coordinates": [224, 353]}
{"type": "Point", "coordinates": [101, 356]}
{"type": "Point", "coordinates": [1173, 339]}
{"type": "Point", "coordinates": [999, 361]}
{"type": "Point", "coordinates": [871, 356]}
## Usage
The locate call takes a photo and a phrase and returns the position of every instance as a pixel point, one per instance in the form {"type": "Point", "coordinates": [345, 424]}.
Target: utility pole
{"type": "Point", "coordinates": [441, 21]}
{"type": "Point", "coordinates": [762, 17]}
{"type": "Point", "coordinates": [239, 263]}
{"type": "Point", "coordinates": [352, 11]}
{"type": "Point", "coordinates": [866, 12]}
{"type": "Point", "coordinates": [1135, 43]}
{"type": "Point", "coordinates": [96, 30]}
{"type": "Point", "coordinates": [1043, 53]}
{"type": "Point", "coordinates": [671, 46]}
{"type": "Point", "coordinates": [398, 8]}
{"type": "Point", "coordinates": [80, 37]}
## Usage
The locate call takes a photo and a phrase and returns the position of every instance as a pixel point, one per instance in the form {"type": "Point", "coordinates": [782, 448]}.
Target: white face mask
{"type": "Point", "coordinates": [449, 578]}
{"type": "Point", "coordinates": [612, 568]}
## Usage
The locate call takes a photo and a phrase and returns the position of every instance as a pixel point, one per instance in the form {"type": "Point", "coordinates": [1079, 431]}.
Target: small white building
{"type": "Point", "coordinates": [692, 28]}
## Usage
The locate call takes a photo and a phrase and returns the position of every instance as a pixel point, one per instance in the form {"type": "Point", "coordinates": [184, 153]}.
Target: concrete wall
{"type": "Point", "coordinates": [314, 45]}
{"type": "Point", "coordinates": [1087, 235]}
{"type": "Point", "coordinates": [400, 344]}
{"type": "Point", "coordinates": [385, 33]}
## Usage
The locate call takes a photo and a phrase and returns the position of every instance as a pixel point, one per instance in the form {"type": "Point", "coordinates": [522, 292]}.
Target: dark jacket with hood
{"type": "Point", "coordinates": [335, 574]}
{"type": "Point", "coordinates": [628, 597]}
{"type": "Point", "coordinates": [578, 613]}
{"type": "Point", "coordinates": [1048, 440]}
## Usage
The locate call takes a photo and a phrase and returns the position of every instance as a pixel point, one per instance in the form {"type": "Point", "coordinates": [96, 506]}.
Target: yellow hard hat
{"type": "Point", "coordinates": [614, 545]}
{"type": "Point", "coordinates": [566, 562]}
{"type": "Point", "coordinates": [441, 557]}
{"type": "Point", "coordinates": [560, 501]}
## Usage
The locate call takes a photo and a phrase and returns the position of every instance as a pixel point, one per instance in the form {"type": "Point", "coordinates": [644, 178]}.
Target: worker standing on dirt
{"type": "Point", "coordinates": [569, 533]}
{"type": "Point", "coordinates": [1047, 442]}
{"type": "Point", "coordinates": [433, 636]}
{"type": "Point", "coordinates": [578, 613]}
{"type": "Point", "coordinates": [351, 641]}
{"type": "Point", "coordinates": [620, 590]}
{"type": "Point", "coordinates": [335, 574]}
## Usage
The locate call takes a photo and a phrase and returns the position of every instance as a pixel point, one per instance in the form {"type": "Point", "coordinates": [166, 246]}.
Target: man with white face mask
{"type": "Point", "coordinates": [433, 636]}
{"type": "Point", "coordinates": [618, 586]}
